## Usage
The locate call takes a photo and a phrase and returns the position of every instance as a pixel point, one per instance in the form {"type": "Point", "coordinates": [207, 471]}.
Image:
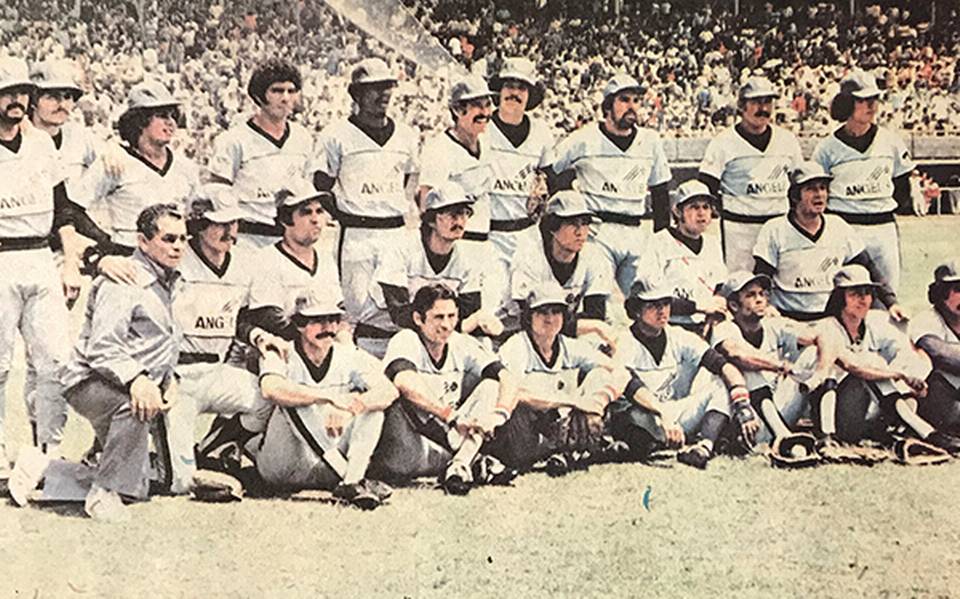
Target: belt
{"type": "Point", "coordinates": [11, 244]}
{"type": "Point", "coordinates": [632, 220]}
{"type": "Point", "coordinates": [853, 218]}
{"type": "Point", "coordinates": [198, 358]}
{"type": "Point", "coordinates": [371, 332]}
{"type": "Point", "coordinates": [369, 222]}
{"type": "Point", "coordinates": [252, 228]}
{"type": "Point", "coordinates": [475, 236]}
{"type": "Point", "coordinates": [802, 316]}
{"type": "Point", "coordinates": [511, 225]}
{"type": "Point", "coordinates": [751, 219]}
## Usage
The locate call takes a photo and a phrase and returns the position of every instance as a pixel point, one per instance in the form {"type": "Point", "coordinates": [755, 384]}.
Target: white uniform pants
{"type": "Point", "coordinates": [738, 242]}
{"type": "Point", "coordinates": [622, 246]}
{"type": "Point", "coordinates": [359, 254]}
{"type": "Point", "coordinates": [883, 246]}
{"type": "Point", "coordinates": [708, 393]}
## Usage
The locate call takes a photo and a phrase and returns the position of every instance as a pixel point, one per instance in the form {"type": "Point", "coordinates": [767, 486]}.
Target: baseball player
{"type": "Point", "coordinates": [289, 268]}
{"type": "Point", "coordinates": [802, 251]}
{"type": "Point", "coordinates": [330, 400]}
{"type": "Point", "coordinates": [369, 161]}
{"type": "Point", "coordinates": [688, 262]}
{"type": "Point", "coordinates": [558, 251]}
{"type": "Point", "coordinates": [668, 401]}
{"type": "Point", "coordinates": [616, 163]}
{"type": "Point", "coordinates": [266, 153]}
{"type": "Point", "coordinates": [31, 289]}
{"type": "Point", "coordinates": [453, 393]}
{"type": "Point", "coordinates": [937, 332]}
{"type": "Point", "coordinates": [434, 255]}
{"type": "Point", "coordinates": [879, 374]}
{"type": "Point", "coordinates": [560, 379]}
{"type": "Point", "coordinates": [871, 169]}
{"type": "Point", "coordinates": [121, 373]}
{"type": "Point", "coordinates": [747, 165]}
{"type": "Point", "coordinates": [518, 147]}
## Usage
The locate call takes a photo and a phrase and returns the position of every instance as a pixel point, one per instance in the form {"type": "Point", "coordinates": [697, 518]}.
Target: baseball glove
{"type": "Point", "coordinates": [798, 450]}
{"type": "Point", "coordinates": [215, 487]}
{"type": "Point", "coordinates": [580, 431]}
{"type": "Point", "coordinates": [914, 452]}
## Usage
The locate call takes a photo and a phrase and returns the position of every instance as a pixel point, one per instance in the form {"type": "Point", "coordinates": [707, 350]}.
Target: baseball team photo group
{"type": "Point", "coordinates": [358, 270]}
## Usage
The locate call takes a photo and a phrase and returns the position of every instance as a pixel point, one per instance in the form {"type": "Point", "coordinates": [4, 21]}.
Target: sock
{"type": "Point", "coordinates": [468, 449]}
{"type": "Point", "coordinates": [828, 412]}
{"type": "Point", "coordinates": [772, 417]}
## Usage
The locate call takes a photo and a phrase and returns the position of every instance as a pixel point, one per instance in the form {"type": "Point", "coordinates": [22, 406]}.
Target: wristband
{"type": "Point", "coordinates": [445, 413]}
{"type": "Point", "coordinates": [739, 394]}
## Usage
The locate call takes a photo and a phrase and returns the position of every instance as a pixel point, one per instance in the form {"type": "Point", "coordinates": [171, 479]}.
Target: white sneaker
{"type": "Point", "coordinates": [27, 474]}
{"type": "Point", "coordinates": [105, 506]}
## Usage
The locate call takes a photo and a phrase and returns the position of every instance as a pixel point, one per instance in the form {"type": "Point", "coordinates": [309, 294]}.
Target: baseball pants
{"type": "Point", "coordinates": [883, 246]}
{"type": "Point", "coordinates": [738, 242]}
{"type": "Point", "coordinates": [31, 301]}
{"type": "Point", "coordinates": [360, 251]}
{"type": "Point", "coordinates": [622, 246]}
{"type": "Point", "coordinates": [298, 453]}
{"type": "Point", "coordinates": [708, 393]}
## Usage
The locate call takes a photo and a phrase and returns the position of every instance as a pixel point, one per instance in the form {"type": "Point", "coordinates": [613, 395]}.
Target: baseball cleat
{"type": "Point", "coordinates": [557, 465]}
{"type": "Point", "coordinates": [694, 455]}
{"type": "Point", "coordinates": [358, 495]}
{"type": "Point", "coordinates": [105, 506]}
{"type": "Point", "coordinates": [379, 488]}
{"type": "Point", "coordinates": [488, 470]}
{"type": "Point", "coordinates": [944, 441]}
{"type": "Point", "coordinates": [27, 474]}
{"type": "Point", "coordinates": [456, 480]}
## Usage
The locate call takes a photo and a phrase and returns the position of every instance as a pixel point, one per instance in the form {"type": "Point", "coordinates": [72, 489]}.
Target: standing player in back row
{"type": "Point", "coordinates": [369, 161]}
{"type": "Point", "coordinates": [871, 169]}
{"type": "Point", "coordinates": [265, 153]}
{"type": "Point", "coordinates": [615, 164]}
{"type": "Point", "coordinates": [747, 166]}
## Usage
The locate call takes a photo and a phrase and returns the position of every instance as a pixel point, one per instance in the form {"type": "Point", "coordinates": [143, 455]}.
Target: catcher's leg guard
{"type": "Point", "coordinates": [635, 426]}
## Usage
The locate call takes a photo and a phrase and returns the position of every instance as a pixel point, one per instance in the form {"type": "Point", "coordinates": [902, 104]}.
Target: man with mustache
{"type": "Point", "coordinates": [435, 254]}
{"type": "Point", "coordinates": [369, 161]}
{"type": "Point", "coordinates": [32, 291]}
{"type": "Point", "coordinates": [746, 166]}
{"type": "Point", "coordinates": [688, 262]}
{"type": "Point", "coordinates": [460, 154]}
{"type": "Point", "coordinates": [330, 399]}
{"type": "Point", "coordinates": [802, 251]}
{"type": "Point", "coordinates": [616, 163]}
{"type": "Point", "coordinates": [265, 153]}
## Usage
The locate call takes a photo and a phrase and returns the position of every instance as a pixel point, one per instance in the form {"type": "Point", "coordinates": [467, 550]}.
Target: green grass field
{"type": "Point", "coordinates": [740, 529]}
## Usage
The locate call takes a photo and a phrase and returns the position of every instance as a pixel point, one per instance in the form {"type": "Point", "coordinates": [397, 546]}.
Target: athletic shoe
{"type": "Point", "coordinates": [357, 495]}
{"type": "Point", "coordinates": [557, 465]}
{"type": "Point", "coordinates": [105, 506]}
{"type": "Point", "coordinates": [379, 488]}
{"type": "Point", "coordinates": [488, 470]}
{"type": "Point", "coordinates": [27, 474]}
{"type": "Point", "coordinates": [944, 441]}
{"type": "Point", "coordinates": [694, 455]}
{"type": "Point", "coordinates": [456, 480]}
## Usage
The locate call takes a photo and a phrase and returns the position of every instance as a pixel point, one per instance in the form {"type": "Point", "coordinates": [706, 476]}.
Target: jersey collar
{"type": "Point", "coordinates": [279, 143]}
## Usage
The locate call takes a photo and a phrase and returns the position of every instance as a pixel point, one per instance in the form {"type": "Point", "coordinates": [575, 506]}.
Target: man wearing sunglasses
{"type": "Point", "coordinates": [433, 255]}
{"type": "Point", "coordinates": [121, 375]}
{"type": "Point", "coordinates": [330, 399]}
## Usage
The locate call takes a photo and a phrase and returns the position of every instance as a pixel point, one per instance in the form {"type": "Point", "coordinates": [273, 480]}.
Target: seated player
{"type": "Point", "coordinates": [937, 332]}
{"type": "Point", "coordinates": [681, 393]}
{"type": "Point", "coordinates": [802, 251]}
{"type": "Point", "coordinates": [330, 399]}
{"type": "Point", "coordinates": [564, 383]}
{"type": "Point", "coordinates": [453, 393]}
{"type": "Point", "coordinates": [880, 376]}
{"type": "Point", "coordinates": [689, 263]}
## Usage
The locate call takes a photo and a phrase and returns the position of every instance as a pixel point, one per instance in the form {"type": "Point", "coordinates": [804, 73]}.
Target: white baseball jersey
{"type": "Point", "coordinates": [463, 355]}
{"type": "Point", "coordinates": [805, 264]}
{"type": "Point", "coordinates": [259, 166]}
{"type": "Point", "coordinates": [930, 322]}
{"type": "Point", "coordinates": [515, 167]}
{"type": "Point", "coordinates": [347, 370]}
{"type": "Point", "coordinates": [408, 266]}
{"type": "Point", "coordinates": [879, 337]}
{"type": "Point", "coordinates": [863, 182]}
{"type": "Point", "coordinates": [369, 177]}
{"type": "Point", "coordinates": [572, 359]}
{"type": "Point", "coordinates": [77, 151]}
{"type": "Point", "coordinates": [778, 340]}
{"type": "Point", "coordinates": [210, 299]}
{"type": "Point", "coordinates": [673, 376]}
{"type": "Point", "coordinates": [140, 184]}
{"type": "Point", "coordinates": [611, 179]}
{"type": "Point", "coordinates": [282, 279]}
{"type": "Point", "coordinates": [752, 182]}
{"type": "Point", "coordinates": [591, 275]}
{"type": "Point", "coordinates": [691, 276]}
{"type": "Point", "coordinates": [27, 179]}
{"type": "Point", "coordinates": [445, 159]}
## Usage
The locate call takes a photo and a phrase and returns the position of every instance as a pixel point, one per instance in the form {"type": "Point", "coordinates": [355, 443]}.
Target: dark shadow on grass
{"type": "Point", "coordinates": [68, 509]}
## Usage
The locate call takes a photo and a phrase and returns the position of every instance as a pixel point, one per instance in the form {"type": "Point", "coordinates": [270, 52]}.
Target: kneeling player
{"type": "Point", "coordinates": [453, 393]}
{"type": "Point", "coordinates": [330, 397]}
{"type": "Point", "coordinates": [663, 402]}
{"type": "Point", "coordinates": [565, 386]}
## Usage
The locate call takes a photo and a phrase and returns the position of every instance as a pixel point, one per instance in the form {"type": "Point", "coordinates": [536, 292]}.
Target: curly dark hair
{"type": "Point", "coordinates": [268, 73]}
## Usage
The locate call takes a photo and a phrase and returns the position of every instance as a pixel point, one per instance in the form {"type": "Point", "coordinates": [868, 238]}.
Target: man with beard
{"type": "Point", "coordinates": [369, 161]}
{"type": "Point", "coordinates": [801, 252]}
{"type": "Point", "coordinates": [31, 289]}
{"type": "Point", "coordinates": [616, 163]}
{"type": "Point", "coordinates": [266, 153]}
{"type": "Point", "coordinates": [747, 165]}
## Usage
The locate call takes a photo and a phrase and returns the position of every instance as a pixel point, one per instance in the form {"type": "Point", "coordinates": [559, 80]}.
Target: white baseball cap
{"type": "Point", "coordinates": [56, 74]}
{"type": "Point", "coordinates": [371, 70]}
{"type": "Point", "coordinates": [808, 171]}
{"type": "Point", "coordinates": [520, 69]}
{"type": "Point", "coordinates": [469, 88]}
{"type": "Point", "coordinates": [757, 87]}
{"type": "Point", "coordinates": [852, 275]}
{"type": "Point", "coordinates": [320, 302]}
{"type": "Point", "coordinates": [738, 280]}
{"type": "Point", "coordinates": [568, 203]}
{"type": "Point", "coordinates": [649, 290]}
{"type": "Point", "coordinates": [547, 293]}
{"type": "Point", "coordinates": [150, 94]}
{"type": "Point", "coordinates": [448, 193]}
{"type": "Point", "coordinates": [14, 73]}
{"type": "Point", "coordinates": [860, 84]}
{"type": "Point", "coordinates": [215, 203]}
{"type": "Point", "coordinates": [691, 190]}
{"type": "Point", "coordinates": [298, 193]}
{"type": "Point", "coordinates": [621, 82]}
